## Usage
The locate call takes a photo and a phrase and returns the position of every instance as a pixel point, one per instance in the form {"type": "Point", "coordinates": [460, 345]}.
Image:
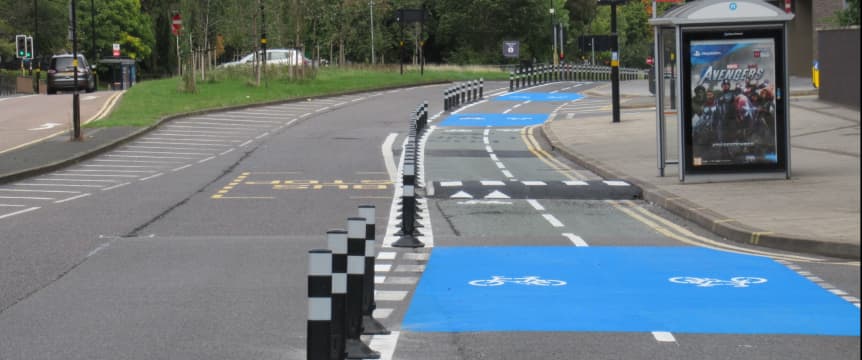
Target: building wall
{"type": "Point", "coordinates": [801, 36]}
{"type": "Point", "coordinates": [839, 74]}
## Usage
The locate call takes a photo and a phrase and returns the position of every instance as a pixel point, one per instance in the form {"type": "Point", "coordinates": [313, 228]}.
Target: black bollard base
{"type": "Point", "coordinates": [358, 350]}
{"type": "Point", "coordinates": [370, 326]}
{"type": "Point", "coordinates": [408, 241]}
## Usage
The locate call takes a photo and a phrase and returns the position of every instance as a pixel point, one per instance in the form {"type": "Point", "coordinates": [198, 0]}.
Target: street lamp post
{"type": "Point", "coordinates": [554, 40]}
{"type": "Point", "coordinates": [615, 59]}
{"type": "Point", "coordinates": [371, 7]}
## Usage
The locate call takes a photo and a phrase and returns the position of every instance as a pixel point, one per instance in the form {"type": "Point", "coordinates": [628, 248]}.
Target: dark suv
{"type": "Point", "coordinates": [61, 75]}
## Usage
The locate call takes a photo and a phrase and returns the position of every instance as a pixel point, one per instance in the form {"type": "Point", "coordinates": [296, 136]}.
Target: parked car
{"type": "Point", "coordinates": [274, 57]}
{"type": "Point", "coordinates": [61, 74]}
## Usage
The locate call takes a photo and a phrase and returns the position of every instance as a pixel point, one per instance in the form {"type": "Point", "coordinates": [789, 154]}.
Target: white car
{"type": "Point", "coordinates": [274, 57]}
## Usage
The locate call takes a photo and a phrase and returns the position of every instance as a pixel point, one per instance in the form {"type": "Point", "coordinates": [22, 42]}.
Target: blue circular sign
{"type": "Point", "coordinates": [732, 6]}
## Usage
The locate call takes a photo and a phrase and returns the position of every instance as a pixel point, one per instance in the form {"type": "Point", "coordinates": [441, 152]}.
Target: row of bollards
{"type": "Point", "coordinates": [409, 226]}
{"type": "Point", "coordinates": [538, 75]}
{"type": "Point", "coordinates": [463, 93]}
{"type": "Point", "coordinates": [341, 278]}
{"type": "Point", "coordinates": [341, 292]}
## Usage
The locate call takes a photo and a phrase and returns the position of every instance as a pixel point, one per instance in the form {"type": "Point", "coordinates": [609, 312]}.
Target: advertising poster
{"type": "Point", "coordinates": [733, 105]}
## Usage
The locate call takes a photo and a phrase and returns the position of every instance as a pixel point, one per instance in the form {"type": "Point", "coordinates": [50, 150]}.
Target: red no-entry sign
{"type": "Point", "coordinates": [176, 24]}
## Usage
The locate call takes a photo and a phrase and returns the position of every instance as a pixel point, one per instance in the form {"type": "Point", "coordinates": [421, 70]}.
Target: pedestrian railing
{"type": "Point", "coordinates": [536, 75]}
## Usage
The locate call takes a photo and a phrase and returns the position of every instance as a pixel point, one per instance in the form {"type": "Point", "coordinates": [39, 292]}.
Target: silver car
{"type": "Point", "coordinates": [61, 74]}
{"type": "Point", "coordinates": [274, 57]}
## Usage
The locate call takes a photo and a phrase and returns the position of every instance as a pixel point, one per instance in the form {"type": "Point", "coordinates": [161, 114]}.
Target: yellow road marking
{"type": "Point", "coordinates": [677, 232]}
{"type": "Point", "coordinates": [548, 159]}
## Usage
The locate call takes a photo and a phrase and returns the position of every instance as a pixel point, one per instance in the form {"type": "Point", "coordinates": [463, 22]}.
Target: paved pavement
{"type": "Point", "coordinates": [816, 211]}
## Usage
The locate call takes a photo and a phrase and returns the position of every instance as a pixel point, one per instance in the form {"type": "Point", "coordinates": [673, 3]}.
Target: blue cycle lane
{"type": "Point", "coordinates": [510, 120]}
{"type": "Point", "coordinates": [615, 289]}
{"type": "Point", "coordinates": [621, 289]}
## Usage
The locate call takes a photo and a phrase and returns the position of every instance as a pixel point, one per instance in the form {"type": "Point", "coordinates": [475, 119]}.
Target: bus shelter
{"type": "Point", "coordinates": [731, 97]}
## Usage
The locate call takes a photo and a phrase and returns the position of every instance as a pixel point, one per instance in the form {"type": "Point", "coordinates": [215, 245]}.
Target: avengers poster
{"type": "Point", "coordinates": [733, 107]}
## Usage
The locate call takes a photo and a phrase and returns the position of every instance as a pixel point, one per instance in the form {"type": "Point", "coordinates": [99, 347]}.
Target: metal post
{"type": "Point", "coordinates": [319, 328]}
{"type": "Point", "coordinates": [371, 6]}
{"type": "Point", "coordinates": [76, 100]}
{"type": "Point", "coordinates": [615, 67]}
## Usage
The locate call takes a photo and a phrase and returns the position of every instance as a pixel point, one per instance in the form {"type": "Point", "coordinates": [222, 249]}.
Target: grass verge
{"type": "Point", "coordinates": [148, 101]}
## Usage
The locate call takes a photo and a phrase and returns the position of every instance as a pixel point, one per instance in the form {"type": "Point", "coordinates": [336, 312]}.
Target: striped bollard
{"type": "Point", "coordinates": [356, 349]}
{"type": "Point", "coordinates": [370, 325]}
{"type": "Point", "coordinates": [407, 238]}
{"type": "Point", "coordinates": [337, 242]}
{"type": "Point", "coordinates": [481, 88]}
{"type": "Point", "coordinates": [446, 99]}
{"type": "Point", "coordinates": [511, 81]}
{"type": "Point", "coordinates": [319, 336]}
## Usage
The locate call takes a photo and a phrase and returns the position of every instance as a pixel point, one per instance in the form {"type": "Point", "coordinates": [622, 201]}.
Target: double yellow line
{"type": "Point", "coordinates": [558, 166]}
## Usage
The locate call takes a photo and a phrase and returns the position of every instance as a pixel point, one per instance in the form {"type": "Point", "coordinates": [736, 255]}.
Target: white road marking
{"type": "Point", "coordinates": [27, 198]}
{"type": "Point", "coordinates": [535, 204]}
{"type": "Point", "coordinates": [553, 220]}
{"type": "Point", "coordinates": [382, 267]}
{"type": "Point", "coordinates": [508, 174]}
{"type": "Point", "coordinates": [19, 212]}
{"type": "Point", "coordinates": [577, 240]}
{"type": "Point", "coordinates": [388, 158]}
{"type": "Point", "coordinates": [533, 183]}
{"type": "Point", "coordinates": [381, 313]}
{"type": "Point", "coordinates": [615, 183]}
{"type": "Point", "coordinates": [385, 344]}
{"type": "Point", "coordinates": [201, 161]}
{"type": "Point", "coordinates": [575, 183]}
{"type": "Point", "coordinates": [117, 186]}
{"type": "Point", "coordinates": [417, 256]}
{"type": "Point", "coordinates": [451, 183]}
{"type": "Point", "coordinates": [389, 295]}
{"type": "Point", "coordinates": [386, 255]}
{"type": "Point", "coordinates": [492, 183]}
{"type": "Point", "coordinates": [152, 176]}
{"type": "Point", "coordinates": [72, 198]}
{"type": "Point", "coordinates": [461, 195]}
{"type": "Point", "coordinates": [181, 167]}
{"type": "Point", "coordinates": [663, 336]}
{"type": "Point", "coordinates": [496, 194]}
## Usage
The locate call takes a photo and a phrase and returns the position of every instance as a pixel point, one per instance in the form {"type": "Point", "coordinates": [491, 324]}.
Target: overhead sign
{"type": "Point", "coordinates": [511, 49]}
{"type": "Point", "coordinates": [176, 24]}
{"type": "Point", "coordinates": [595, 42]}
{"type": "Point", "coordinates": [411, 15]}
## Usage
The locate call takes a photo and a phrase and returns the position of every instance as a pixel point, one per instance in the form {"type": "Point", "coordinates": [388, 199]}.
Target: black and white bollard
{"type": "Point", "coordinates": [481, 88]}
{"type": "Point", "coordinates": [408, 231]}
{"type": "Point", "coordinates": [319, 341]}
{"type": "Point", "coordinates": [356, 349]}
{"type": "Point", "coordinates": [337, 242]}
{"type": "Point", "coordinates": [370, 325]}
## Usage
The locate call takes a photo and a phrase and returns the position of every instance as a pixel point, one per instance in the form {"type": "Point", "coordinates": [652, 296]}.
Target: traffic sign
{"type": "Point", "coordinates": [649, 60]}
{"type": "Point", "coordinates": [511, 49]}
{"type": "Point", "coordinates": [176, 24]}
{"type": "Point", "coordinates": [116, 49]}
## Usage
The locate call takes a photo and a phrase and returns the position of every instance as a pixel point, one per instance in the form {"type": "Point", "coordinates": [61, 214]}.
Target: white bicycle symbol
{"type": "Point", "coordinates": [526, 280]}
{"type": "Point", "coordinates": [739, 281]}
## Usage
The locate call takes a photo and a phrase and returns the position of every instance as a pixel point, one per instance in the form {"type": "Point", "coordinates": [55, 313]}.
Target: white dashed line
{"type": "Point", "coordinates": [577, 240]}
{"type": "Point", "coordinates": [553, 220]}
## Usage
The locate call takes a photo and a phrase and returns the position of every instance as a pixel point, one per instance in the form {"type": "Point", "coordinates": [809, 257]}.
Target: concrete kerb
{"type": "Point", "coordinates": [83, 155]}
{"type": "Point", "coordinates": [732, 230]}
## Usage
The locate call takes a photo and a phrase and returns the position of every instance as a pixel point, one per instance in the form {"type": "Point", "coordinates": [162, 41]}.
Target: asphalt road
{"type": "Point", "coordinates": [31, 118]}
{"type": "Point", "coordinates": [191, 242]}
